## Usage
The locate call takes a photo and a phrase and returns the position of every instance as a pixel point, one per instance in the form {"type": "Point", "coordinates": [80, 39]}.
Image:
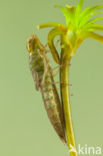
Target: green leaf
{"type": "Point", "coordinates": [94, 27]}
{"type": "Point", "coordinates": [95, 36]}
{"type": "Point", "coordinates": [92, 9]}
{"type": "Point", "coordinates": [86, 19]}
{"type": "Point", "coordinates": [95, 20]}
{"type": "Point", "coordinates": [79, 6]}
{"type": "Point", "coordinates": [89, 11]}
{"type": "Point", "coordinates": [72, 13]}
{"type": "Point", "coordinates": [65, 12]}
{"type": "Point", "coordinates": [45, 25]}
{"type": "Point", "coordinates": [78, 10]}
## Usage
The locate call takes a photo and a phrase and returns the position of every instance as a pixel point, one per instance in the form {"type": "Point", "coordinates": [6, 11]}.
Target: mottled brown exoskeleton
{"type": "Point", "coordinates": [44, 81]}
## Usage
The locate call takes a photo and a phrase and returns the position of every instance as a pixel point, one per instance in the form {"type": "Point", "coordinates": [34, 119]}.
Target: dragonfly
{"type": "Point", "coordinates": [44, 82]}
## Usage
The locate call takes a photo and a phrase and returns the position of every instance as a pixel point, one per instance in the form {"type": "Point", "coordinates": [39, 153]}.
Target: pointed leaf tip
{"type": "Point", "coordinates": [79, 8]}
{"type": "Point", "coordinates": [80, 4]}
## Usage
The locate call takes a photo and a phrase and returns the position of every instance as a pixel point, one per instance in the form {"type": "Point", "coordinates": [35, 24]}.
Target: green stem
{"type": "Point", "coordinates": [65, 94]}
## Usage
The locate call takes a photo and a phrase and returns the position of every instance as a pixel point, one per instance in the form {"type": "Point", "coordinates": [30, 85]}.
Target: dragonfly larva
{"type": "Point", "coordinates": [43, 79]}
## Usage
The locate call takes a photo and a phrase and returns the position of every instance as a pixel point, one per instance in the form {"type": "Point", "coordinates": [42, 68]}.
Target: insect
{"type": "Point", "coordinates": [44, 82]}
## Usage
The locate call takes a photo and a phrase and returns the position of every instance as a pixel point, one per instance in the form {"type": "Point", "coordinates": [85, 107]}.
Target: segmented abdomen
{"type": "Point", "coordinates": [48, 91]}
{"type": "Point", "coordinates": [53, 106]}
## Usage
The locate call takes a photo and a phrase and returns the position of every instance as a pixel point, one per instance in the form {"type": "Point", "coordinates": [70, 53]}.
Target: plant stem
{"type": "Point", "coordinates": [65, 95]}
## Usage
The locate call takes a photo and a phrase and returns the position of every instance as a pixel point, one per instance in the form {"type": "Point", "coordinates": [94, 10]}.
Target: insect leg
{"type": "Point", "coordinates": [46, 45]}
{"type": "Point", "coordinates": [60, 83]}
{"type": "Point", "coordinates": [46, 65]}
{"type": "Point", "coordinates": [45, 71]}
{"type": "Point", "coordinates": [53, 69]}
{"type": "Point", "coordinates": [55, 74]}
{"type": "Point", "coordinates": [59, 66]}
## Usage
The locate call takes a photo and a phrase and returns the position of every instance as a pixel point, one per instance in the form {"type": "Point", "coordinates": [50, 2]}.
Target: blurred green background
{"type": "Point", "coordinates": [24, 127]}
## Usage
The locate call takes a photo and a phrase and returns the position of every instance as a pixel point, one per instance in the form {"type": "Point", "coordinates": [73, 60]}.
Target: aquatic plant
{"type": "Point", "coordinates": [80, 25]}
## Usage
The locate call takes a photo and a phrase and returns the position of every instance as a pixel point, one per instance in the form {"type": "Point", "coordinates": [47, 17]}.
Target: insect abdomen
{"type": "Point", "coordinates": [52, 106]}
{"type": "Point", "coordinates": [38, 63]}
